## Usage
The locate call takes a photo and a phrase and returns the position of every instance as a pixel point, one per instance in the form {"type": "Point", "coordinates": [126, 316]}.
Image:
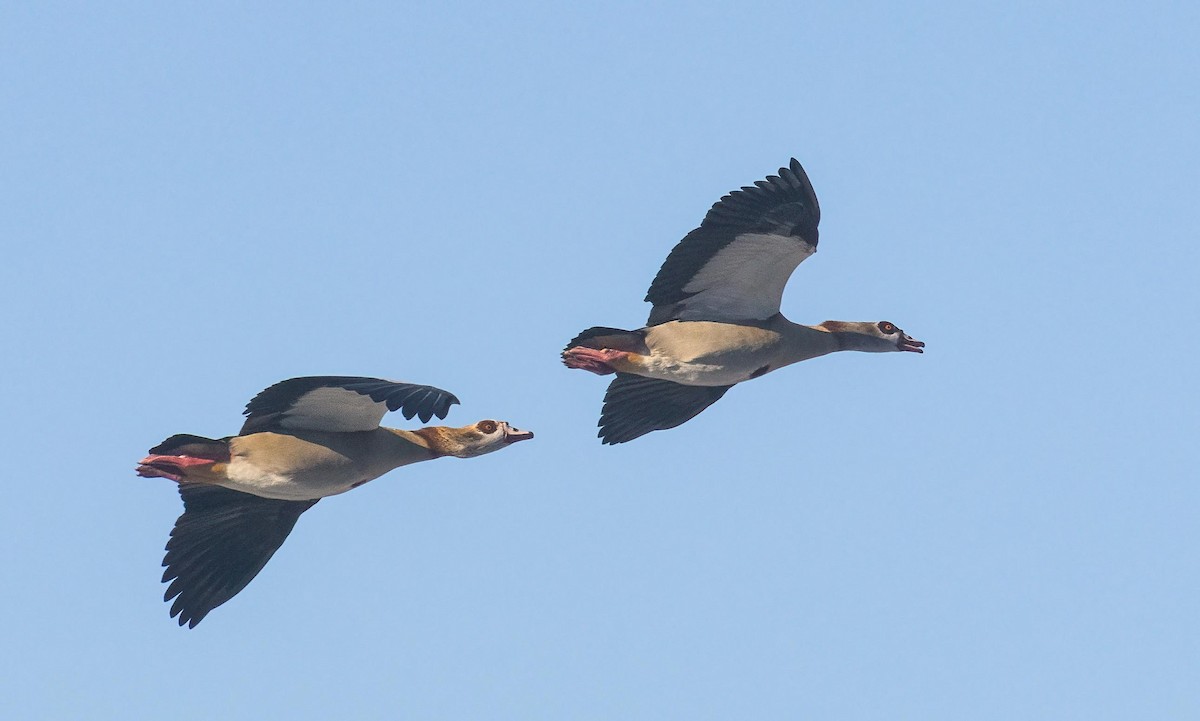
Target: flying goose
{"type": "Point", "coordinates": [716, 321]}
{"type": "Point", "coordinates": [303, 439]}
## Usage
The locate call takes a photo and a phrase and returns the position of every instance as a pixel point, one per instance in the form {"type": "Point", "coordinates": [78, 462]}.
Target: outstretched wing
{"type": "Point", "coordinates": [734, 267]}
{"type": "Point", "coordinates": [635, 406]}
{"type": "Point", "coordinates": [219, 544]}
{"type": "Point", "coordinates": [341, 403]}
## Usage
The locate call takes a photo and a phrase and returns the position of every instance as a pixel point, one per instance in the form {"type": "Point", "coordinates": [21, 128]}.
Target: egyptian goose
{"type": "Point", "coordinates": [716, 320]}
{"type": "Point", "coordinates": [303, 439]}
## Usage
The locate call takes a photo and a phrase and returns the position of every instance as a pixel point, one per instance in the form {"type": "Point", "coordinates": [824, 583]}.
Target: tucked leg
{"type": "Point", "coordinates": [593, 360]}
{"type": "Point", "coordinates": [172, 467]}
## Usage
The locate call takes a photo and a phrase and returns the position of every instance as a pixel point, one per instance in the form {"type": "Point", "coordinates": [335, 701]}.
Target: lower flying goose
{"type": "Point", "coordinates": [303, 439]}
{"type": "Point", "coordinates": [716, 320]}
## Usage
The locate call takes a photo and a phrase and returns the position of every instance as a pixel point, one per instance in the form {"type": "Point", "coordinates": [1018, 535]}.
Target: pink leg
{"type": "Point", "coordinates": [173, 467]}
{"type": "Point", "coordinates": [590, 359]}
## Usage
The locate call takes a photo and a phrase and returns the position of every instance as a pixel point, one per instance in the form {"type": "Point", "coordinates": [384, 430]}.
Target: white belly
{"type": "Point", "coordinates": [699, 373]}
{"type": "Point", "coordinates": [300, 486]}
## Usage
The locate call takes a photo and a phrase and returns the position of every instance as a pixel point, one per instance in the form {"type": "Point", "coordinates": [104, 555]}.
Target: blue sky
{"type": "Point", "coordinates": [203, 199]}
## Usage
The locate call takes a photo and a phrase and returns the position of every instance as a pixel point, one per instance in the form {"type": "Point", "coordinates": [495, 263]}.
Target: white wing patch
{"type": "Point", "coordinates": [745, 279]}
{"type": "Point", "coordinates": [333, 409]}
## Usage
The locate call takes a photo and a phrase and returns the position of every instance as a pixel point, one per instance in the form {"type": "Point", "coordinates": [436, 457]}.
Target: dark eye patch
{"type": "Point", "coordinates": [486, 426]}
{"type": "Point", "coordinates": [886, 327]}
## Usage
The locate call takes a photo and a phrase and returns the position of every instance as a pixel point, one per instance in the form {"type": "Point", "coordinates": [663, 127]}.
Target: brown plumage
{"type": "Point", "coordinates": [303, 439]}
{"type": "Point", "coordinates": [715, 320]}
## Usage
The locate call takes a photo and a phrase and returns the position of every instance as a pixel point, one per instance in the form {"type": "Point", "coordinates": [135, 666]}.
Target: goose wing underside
{"type": "Point", "coordinates": [219, 544]}
{"type": "Point", "coordinates": [635, 406]}
{"type": "Point", "coordinates": [341, 403]}
{"type": "Point", "coordinates": [734, 267]}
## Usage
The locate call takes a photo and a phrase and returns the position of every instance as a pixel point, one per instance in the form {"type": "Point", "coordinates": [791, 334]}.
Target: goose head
{"type": "Point", "coordinates": [483, 437]}
{"type": "Point", "coordinates": [880, 337]}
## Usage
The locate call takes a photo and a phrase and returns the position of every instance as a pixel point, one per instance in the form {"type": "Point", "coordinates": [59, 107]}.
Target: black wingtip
{"type": "Point", "coordinates": [444, 409]}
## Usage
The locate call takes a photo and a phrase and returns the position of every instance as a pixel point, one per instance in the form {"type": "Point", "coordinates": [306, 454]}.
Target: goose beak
{"type": "Point", "coordinates": [910, 344]}
{"type": "Point", "coordinates": [512, 435]}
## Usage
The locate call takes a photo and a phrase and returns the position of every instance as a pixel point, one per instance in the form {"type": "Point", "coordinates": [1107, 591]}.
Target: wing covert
{"type": "Point", "coordinates": [341, 403]}
{"type": "Point", "coordinates": [735, 266]}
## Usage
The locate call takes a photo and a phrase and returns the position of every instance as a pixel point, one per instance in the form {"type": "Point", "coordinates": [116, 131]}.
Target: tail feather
{"type": "Point", "coordinates": [601, 337]}
{"type": "Point", "coordinates": [185, 444]}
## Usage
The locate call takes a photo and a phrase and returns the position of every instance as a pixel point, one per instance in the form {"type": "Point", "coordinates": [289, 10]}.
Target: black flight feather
{"type": "Point", "coordinates": [219, 544]}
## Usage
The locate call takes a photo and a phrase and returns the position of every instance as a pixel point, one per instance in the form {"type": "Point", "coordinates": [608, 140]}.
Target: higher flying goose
{"type": "Point", "coordinates": [715, 320]}
{"type": "Point", "coordinates": [303, 439]}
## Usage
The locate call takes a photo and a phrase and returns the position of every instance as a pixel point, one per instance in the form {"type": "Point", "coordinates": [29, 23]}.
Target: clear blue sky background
{"type": "Point", "coordinates": [202, 199]}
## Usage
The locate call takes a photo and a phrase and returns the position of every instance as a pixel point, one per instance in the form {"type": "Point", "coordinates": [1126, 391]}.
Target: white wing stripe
{"type": "Point", "coordinates": [334, 409]}
{"type": "Point", "coordinates": [745, 279]}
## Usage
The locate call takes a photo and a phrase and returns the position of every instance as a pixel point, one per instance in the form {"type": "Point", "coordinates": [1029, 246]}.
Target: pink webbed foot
{"type": "Point", "coordinates": [172, 467]}
{"type": "Point", "coordinates": [590, 359]}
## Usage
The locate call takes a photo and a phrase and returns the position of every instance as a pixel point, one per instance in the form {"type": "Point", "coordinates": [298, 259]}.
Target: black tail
{"type": "Point", "coordinates": [185, 444]}
{"type": "Point", "coordinates": [600, 337]}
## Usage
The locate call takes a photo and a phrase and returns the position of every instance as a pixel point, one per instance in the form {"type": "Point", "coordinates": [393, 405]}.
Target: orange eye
{"type": "Point", "coordinates": [486, 426]}
{"type": "Point", "coordinates": [886, 328]}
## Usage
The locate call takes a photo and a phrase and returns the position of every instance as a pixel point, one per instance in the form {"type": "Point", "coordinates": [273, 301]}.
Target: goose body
{"type": "Point", "coordinates": [303, 439]}
{"type": "Point", "coordinates": [715, 320]}
{"type": "Point", "coordinates": [708, 353]}
{"type": "Point", "coordinates": [302, 465]}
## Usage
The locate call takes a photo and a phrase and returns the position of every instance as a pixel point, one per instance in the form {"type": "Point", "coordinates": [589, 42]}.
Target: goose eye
{"type": "Point", "coordinates": [886, 328]}
{"type": "Point", "coordinates": [486, 426]}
